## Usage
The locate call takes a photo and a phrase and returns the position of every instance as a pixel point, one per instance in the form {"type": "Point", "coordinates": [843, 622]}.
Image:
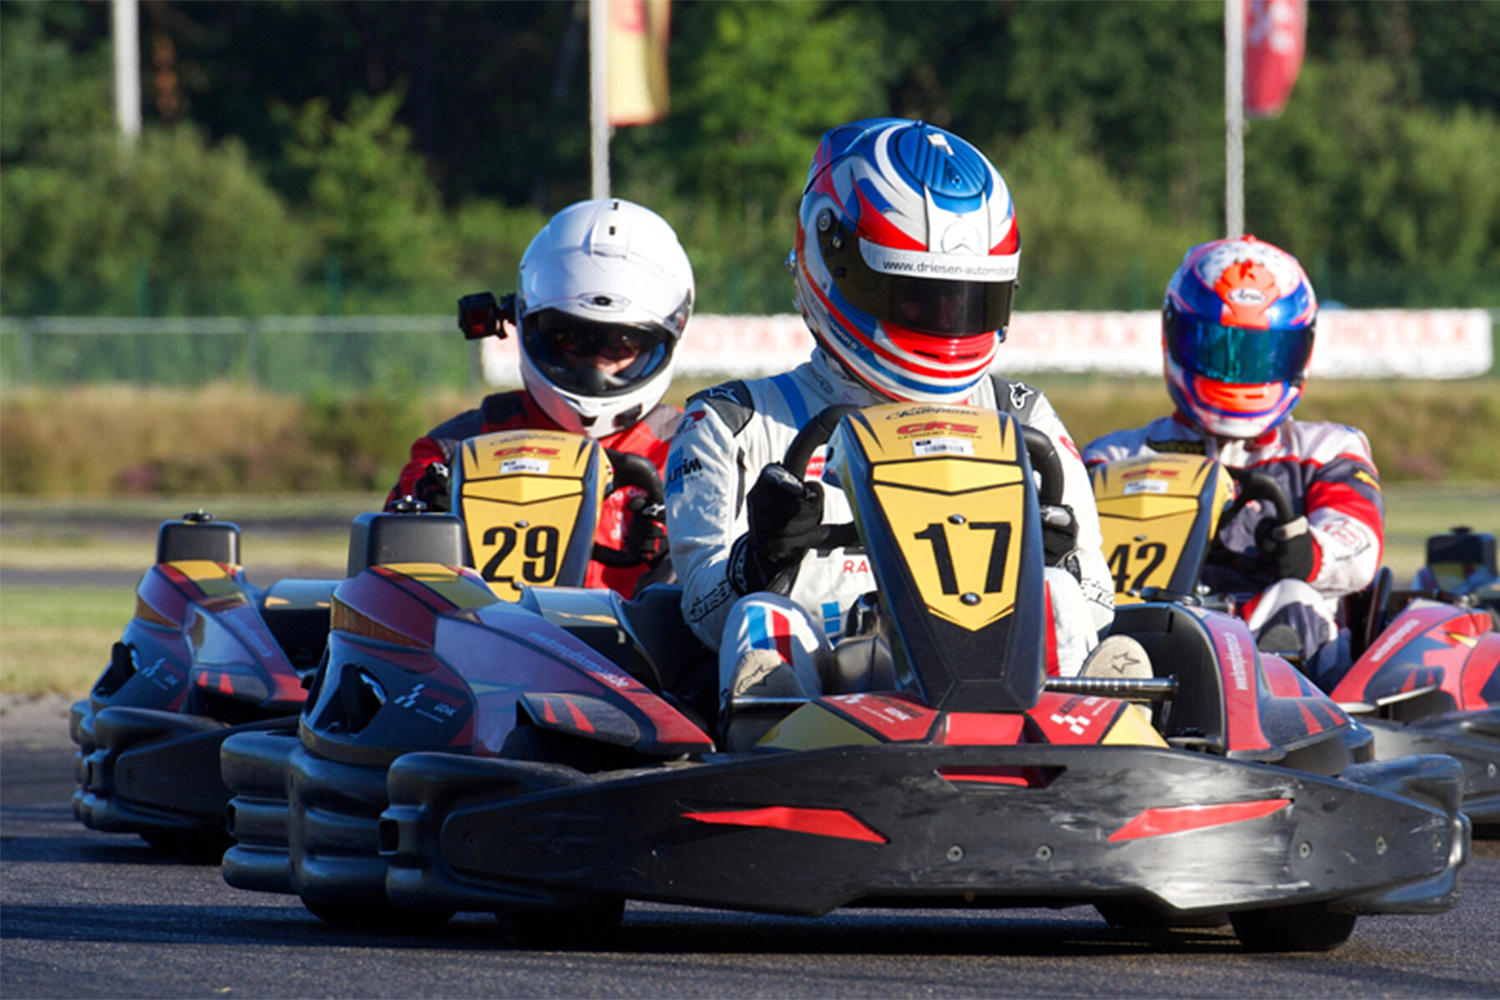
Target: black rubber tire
{"type": "Point", "coordinates": [571, 927]}
{"type": "Point", "coordinates": [1133, 915]}
{"type": "Point", "coordinates": [1308, 927]}
{"type": "Point", "coordinates": [197, 847]}
{"type": "Point", "coordinates": [377, 917]}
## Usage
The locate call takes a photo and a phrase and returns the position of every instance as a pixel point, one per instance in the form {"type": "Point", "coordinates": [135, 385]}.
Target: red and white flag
{"type": "Point", "coordinates": [1275, 36]}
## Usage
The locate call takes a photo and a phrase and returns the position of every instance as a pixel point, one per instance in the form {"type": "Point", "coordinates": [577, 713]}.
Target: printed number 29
{"type": "Point", "coordinates": [540, 545]}
{"type": "Point", "coordinates": [1119, 564]}
{"type": "Point", "coordinates": [994, 577]}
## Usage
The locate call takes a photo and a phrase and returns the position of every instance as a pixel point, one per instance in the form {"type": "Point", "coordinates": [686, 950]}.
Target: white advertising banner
{"type": "Point", "coordinates": [1352, 343]}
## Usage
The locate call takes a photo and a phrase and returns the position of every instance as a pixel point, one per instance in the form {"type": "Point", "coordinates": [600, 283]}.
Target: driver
{"type": "Point", "coordinates": [904, 266]}
{"type": "Point", "coordinates": [1237, 333]}
{"type": "Point", "coordinates": [605, 293]}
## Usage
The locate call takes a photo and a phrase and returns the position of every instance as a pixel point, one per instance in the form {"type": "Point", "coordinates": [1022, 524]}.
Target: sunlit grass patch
{"type": "Point", "coordinates": [55, 639]}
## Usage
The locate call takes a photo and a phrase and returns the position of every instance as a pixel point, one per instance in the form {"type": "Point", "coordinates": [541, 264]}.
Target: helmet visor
{"type": "Point", "coordinates": [1236, 354]}
{"type": "Point", "coordinates": [939, 306]}
{"type": "Point", "coordinates": [590, 357]}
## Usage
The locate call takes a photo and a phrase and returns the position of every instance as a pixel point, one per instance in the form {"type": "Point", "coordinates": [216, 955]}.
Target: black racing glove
{"type": "Point", "coordinates": [646, 536]}
{"type": "Point", "coordinates": [786, 519]}
{"type": "Point", "coordinates": [1059, 532]}
{"type": "Point", "coordinates": [1286, 548]}
{"type": "Point", "coordinates": [432, 488]}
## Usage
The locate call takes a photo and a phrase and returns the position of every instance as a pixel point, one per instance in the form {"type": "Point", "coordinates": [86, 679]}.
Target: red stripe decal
{"type": "Point", "coordinates": [781, 634]}
{"type": "Point", "coordinates": [579, 719]}
{"type": "Point", "coordinates": [982, 729]}
{"type": "Point", "coordinates": [820, 822]}
{"type": "Point", "coordinates": [1053, 670]}
{"type": "Point", "coordinates": [985, 776]}
{"type": "Point", "coordinates": [1181, 819]}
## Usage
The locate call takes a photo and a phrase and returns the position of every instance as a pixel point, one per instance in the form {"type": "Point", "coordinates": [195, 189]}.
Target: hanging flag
{"type": "Point", "coordinates": [638, 32]}
{"type": "Point", "coordinates": [1275, 35]}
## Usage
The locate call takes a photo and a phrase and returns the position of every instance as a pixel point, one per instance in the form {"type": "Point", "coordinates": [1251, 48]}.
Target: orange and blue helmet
{"type": "Point", "coordinates": [906, 257]}
{"type": "Point", "coordinates": [1237, 333]}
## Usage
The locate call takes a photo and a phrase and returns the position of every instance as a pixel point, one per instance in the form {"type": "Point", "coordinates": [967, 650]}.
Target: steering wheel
{"type": "Point", "coordinates": [1253, 486]}
{"type": "Point", "coordinates": [816, 432]}
{"type": "Point", "coordinates": [633, 470]}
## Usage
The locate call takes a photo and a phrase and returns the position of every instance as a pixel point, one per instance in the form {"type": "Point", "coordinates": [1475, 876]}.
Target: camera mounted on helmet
{"type": "Point", "coordinates": [480, 315]}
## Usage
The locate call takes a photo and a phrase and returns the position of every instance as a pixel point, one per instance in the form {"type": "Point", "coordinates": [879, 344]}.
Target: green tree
{"type": "Point", "coordinates": [369, 199]}
{"type": "Point", "coordinates": [191, 227]}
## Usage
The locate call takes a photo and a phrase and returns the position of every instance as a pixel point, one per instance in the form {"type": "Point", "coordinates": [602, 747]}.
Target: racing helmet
{"type": "Point", "coordinates": [1237, 335]}
{"type": "Point", "coordinates": [604, 278]}
{"type": "Point", "coordinates": [906, 257]}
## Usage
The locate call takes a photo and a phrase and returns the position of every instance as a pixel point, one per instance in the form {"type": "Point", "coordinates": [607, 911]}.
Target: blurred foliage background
{"type": "Point", "coordinates": [368, 157]}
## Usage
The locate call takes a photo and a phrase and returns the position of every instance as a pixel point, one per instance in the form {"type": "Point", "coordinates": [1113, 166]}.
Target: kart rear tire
{"type": "Point", "coordinates": [197, 847]}
{"type": "Point", "coordinates": [1132, 915]}
{"type": "Point", "coordinates": [377, 917]}
{"type": "Point", "coordinates": [1308, 927]}
{"type": "Point", "coordinates": [556, 928]}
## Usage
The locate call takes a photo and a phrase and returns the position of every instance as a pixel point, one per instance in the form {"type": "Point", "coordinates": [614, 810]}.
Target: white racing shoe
{"type": "Point", "coordinates": [1119, 657]}
{"type": "Point", "coordinates": [760, 673]}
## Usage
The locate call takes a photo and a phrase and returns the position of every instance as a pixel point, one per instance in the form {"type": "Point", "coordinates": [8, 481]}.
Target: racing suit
{"type": "Point", "coordinates": [1329, 475]}
{"type": "Point", "coordinates": [516, 410]}
{"type": "Point", "coordinates": [730, 432]}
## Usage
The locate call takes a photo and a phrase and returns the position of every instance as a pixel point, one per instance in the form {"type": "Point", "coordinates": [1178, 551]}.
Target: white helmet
{"type": "Point", "coordinates": [602, 272]}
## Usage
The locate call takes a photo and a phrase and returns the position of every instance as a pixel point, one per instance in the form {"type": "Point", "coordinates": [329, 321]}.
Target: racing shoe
{"type": "Point", "coordinates": [760, 673]}
{"type": "Point", "coordinates": [1119, 657]}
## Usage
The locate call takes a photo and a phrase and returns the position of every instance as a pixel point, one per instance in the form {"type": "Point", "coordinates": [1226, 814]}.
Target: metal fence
{"type": "Point", "coordinates": [292, 355]}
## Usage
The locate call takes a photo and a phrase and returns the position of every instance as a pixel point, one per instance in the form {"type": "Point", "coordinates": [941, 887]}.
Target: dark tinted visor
{"type": "Point", "coordinates": [927, 305]}
{"type": "Point", "coordinates": [565, 348]}
{"type": "Point", "coordinates": [1235, 354]}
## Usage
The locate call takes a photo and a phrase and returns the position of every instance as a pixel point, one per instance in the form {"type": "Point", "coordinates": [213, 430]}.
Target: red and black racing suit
{"type": "Point", "coordinates": [516, 410]}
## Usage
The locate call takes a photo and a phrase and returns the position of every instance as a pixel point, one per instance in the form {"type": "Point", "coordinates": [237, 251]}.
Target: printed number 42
{"type": "Point", "coordinates": [1152, 553]}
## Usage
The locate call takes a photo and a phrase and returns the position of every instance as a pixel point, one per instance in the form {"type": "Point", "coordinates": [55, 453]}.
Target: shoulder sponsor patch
{"type": "Point", "coordinates": [731, 401]}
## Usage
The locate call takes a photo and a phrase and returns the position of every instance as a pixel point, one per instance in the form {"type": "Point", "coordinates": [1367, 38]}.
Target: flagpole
{"type": "Point", "coordinates": [127, 46]}
{"type": "Point", "coordinates": [599, 95]}
{"type": "Point", "coordinates": [1234, 118]}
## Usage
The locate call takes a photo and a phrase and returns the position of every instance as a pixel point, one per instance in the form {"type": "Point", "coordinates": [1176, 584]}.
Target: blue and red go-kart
{"type": "Point", "coordinates": [206, 653]}
{"type": "Point", "coordinates": [575, 776]}
{"type": "Point", "coordinates": [425, 652]}
{"type": "Point", "coordinates": [209, 655]}
{"type": "Point", "coordinates": [1424, 673]}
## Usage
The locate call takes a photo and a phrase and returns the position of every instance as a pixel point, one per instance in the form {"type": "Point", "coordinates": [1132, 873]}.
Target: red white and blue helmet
{"type": "Point", "coordinates": [1237, 333]}
{"type": "Point", "coordinates": [906, 257]}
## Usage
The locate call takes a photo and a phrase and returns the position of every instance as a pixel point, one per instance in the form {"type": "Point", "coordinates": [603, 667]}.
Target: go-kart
{"type": "Point", "coordinates": [424, 652]}
{"type": "Point", "coordinates": [1423, 677]}
{"type": "Point", "coordinates": [206, 653]}
{"type": "Point", "coordinates": [974, 781]}
{"type": "Point", "coordinates": [209, 655]}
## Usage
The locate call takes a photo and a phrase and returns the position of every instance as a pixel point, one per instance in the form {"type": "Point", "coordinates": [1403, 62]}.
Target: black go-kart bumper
{"type": "Point", "coordinates": [804, 833]}
{"type": "Point", "coordinates": [304, 825]}
{"type": "Point", "coordinates": [153, 773]}
{"type": "Point", "coordinates": [1473, 738]}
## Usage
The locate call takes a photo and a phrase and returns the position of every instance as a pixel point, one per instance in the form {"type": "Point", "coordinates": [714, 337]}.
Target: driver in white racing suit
{"type": "Point", "coordinates": [885, 199]}
{"type": "Point", "coordinates": [1237, 330]}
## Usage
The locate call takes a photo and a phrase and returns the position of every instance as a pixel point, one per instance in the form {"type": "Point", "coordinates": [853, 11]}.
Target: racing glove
{"type": "Point", "coordinates": [1059, 533]}
{"type": "Point", "coordinates": [786, 519]}
{"type": "Point", "coordinates": [646, 536]}
{"type": "Point", "coordinates": [432, 488]}
{"type": "Point", "coordinates": [1286, 548]}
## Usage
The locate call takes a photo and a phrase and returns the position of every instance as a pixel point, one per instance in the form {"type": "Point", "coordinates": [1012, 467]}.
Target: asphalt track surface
{"type": "Point", "coordinates": [85, 914]}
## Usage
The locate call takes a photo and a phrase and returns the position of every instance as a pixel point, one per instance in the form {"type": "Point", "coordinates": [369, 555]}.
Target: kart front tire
{"type": "Point", "coordinates": [198, 847]}
{"type": "Point", "coordinates": [571, 927]}
{"type": "Point", "coordinates": [377, 917]}
{"type": "Point", "coordinates": [1308, 927]}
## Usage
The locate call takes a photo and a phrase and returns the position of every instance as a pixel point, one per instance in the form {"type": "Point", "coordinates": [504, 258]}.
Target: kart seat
{"type": "Point", "coordinates": [298, 613]}
{"type": "Point", "coordinates": [1179, 645]}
